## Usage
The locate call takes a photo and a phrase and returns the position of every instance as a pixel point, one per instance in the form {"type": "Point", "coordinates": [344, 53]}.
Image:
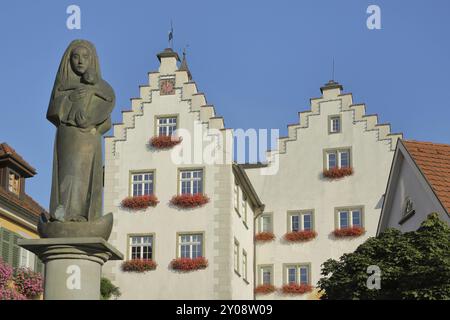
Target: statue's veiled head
{"type": "Point", "coordinates": [78, 64]}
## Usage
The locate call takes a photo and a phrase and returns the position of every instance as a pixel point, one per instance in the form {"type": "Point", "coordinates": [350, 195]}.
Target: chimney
{"type": "Point", "coordinates": [331, 89]}
{"type": "Point", "coordinates": [168, 59]}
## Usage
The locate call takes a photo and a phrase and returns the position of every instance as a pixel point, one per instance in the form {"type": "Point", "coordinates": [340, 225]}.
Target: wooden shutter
{"type": "Point", "coordinates": [6, 247]}
{"type": "Point", "coordinates": [15, 258]}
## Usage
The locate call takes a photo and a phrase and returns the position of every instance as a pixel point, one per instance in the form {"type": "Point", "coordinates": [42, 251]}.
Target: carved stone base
{"type": "Point", "coordinates": [98, 228]}
{"type": "Point", "coordinates": [72, 265]}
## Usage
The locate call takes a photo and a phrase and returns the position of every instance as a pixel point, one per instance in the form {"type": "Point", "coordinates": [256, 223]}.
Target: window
{"type": "Point", "coordinates": [190, 245]}
{"type": "Point", "coordinates": [349, 217]}
{"type": "Point", "coordinates": [14, 182]}
{"type": "Point", "coordinates": [244, 207]}
{"type": "Point", "coordinates": [25, 258]}
{"type": "Point", "coordinates": [166, 126]}
{"type": "Point", "coordinates": [297, 274]}
{"type": "Point", "coordinates": [334, 125]}
{"type": "Point", "coordinates": [236, 256]}
{"type": "Point", "coordinates": [191, 181]}
{"type": "Point", "coordinates": [265, 275]}
{"type": "Point", "coordinates": [301, 221]}
{"type": "Point", "coordinates": [236, 198]}
{"type": "Point", "coordinates": [265, 223]}
{"type": "Point", "coordinates": [244, 264]}
{"type": "Point", "coordinates": [142, 183]}
{"type": "Point", "coordinates": [338, 158]}
{"type": "Point", "coordinates": [141, 247]}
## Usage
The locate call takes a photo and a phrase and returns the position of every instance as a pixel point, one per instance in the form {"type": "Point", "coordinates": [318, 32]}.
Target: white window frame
{"type": "Point", "coordinates": [338, 156]}
{"type": "Point", "coordinates": [15, 182]}
{"type": "Point", "coordinates": [142, 183]}
{"type": "Point", "coordinates": [236, 256]}
{"type": "Point", "coordinates": [297, 275]}
{"type": "Point", "coordinates": [301, 217]}
{"type": "Point", "coordinates": [264, 269]}
{"type": "Point", "coordinates": [331, 124]}
{"type": "Point", "coordinates": [236, 198]}
{"type": "Point", "coordinates": [145, 240]}
{"type": "Point", "coordinates": [244, 264]}
{"type": "Point", "coordinates": [168, 127]}
{"type": "Point", "coordinates": [25, 258]}
{"type": "Point", "coordinates": [261, 222]}
{"type": "Point", "coordinates": [191, 244]}
{"type": "Point", "coordinates": [244, 207]}
{"type": "Point", "coordinates": [191, 180]}
{"type": "Point", "coordinates": [350, 212]}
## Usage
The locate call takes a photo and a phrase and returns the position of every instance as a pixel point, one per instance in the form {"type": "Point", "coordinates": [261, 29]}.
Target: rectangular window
{"type": "Point", "coordinates": [141, 247]}
{"type": "Point", "coordinates": [166, 126]}
{"type": "Point", "coordinates": [236, 197]}
{"type": "Point", "coordinates": [236, 256]}
{"type": "Point", "coordinates": [142, 183]}
{"type": "Point", "coordinates": [350, 217]}
{"type": "Point", "coordinates": [191, 181]}
{"type": "Point", "coordinates": [14, 182]}
{"type": "Point", "coordinates": [265, 223]}
{"type": "Point", "coordinates": [190, 245]}
{"type": "Point", "coordinates": [338, 159]}
{"type": "Point", "coordinates": [297, 274]}
{"type": "Point", "coordinates": [244, 264]}
{"type": "Point", "coordinates": [265, 275]}
{"type": "Point", "coordinates": [244, 207]}
{"type": "Point", "coordinates": [335, 124]}
{"type": "Point", "coordinates": [25, 258]}
{"type": "Point", "coordinates": [301, 221]}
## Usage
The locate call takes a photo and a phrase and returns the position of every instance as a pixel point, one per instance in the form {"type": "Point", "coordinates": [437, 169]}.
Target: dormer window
{"type": "Point", "coordinates": [14, 182]}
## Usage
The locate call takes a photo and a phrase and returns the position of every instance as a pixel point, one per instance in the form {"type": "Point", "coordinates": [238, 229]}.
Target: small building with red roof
{"type": "Point", "coordinates": [419, 184]}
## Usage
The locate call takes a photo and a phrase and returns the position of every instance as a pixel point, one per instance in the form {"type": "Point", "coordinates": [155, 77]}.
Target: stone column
{"type": "Point", "coordinates": [72, 265]}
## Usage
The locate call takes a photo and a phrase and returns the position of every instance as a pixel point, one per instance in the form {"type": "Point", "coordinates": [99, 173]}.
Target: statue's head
{"type": "Point", "coordinates": [79, 64]}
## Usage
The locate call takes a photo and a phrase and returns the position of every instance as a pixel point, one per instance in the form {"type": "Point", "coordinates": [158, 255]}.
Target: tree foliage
{"type": "Point", "coordinates": [108, 290]}
{"type": "Point", "coordinates": [414, 265]}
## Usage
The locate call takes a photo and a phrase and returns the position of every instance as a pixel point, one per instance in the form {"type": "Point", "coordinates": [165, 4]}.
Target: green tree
{"type": "Point", "coordinates": [108, 290]}
{"type": "Point", "coordinates": [414, 265]}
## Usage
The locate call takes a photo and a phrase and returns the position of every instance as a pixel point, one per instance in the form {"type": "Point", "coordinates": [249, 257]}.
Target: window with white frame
{"type": "Point", "coordinates": [265, 223]}
{"type": "Point", "coordinates": [190, 245]}
{"type": "Point", "coordinates": [349, 217]}
{"type": "Point", "coordinates": [25, 258]}
{"type": "Point", "coordinates": [142, 183]}
{"type": "Point", "coordinates": [140, 247]}
{"type": "Point", "coordinates": [297, 274]}
{"type": "Point", "coordinates": [301, 221]}
{"type": "Point", "coordinates": [14, 182]}
{"type": "Point", "coordinates": [166, 126]}
{"type": "Point", "coordinates": [244, 264]}
{"type": "Point", "coordinates": [244, 207]}
{"type": "Point", "coordinates": [236, 255]}
{"type": "Point", "coordinates": [236, 197]}
{"type": "Point", "coordinates": [265, 275]}
{"type": "Point", "coordinates": [334, 124]}
{"type": "Point", "coordinates": [191, 181]}
{"type": "Point", "coordinates": [338, 159]}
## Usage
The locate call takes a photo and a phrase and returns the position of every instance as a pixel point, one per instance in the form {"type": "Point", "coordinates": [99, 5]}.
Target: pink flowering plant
{"type": "Point", "coordinates": [28, 283]}
{"type": "Point", "coordinates": [6, 273]}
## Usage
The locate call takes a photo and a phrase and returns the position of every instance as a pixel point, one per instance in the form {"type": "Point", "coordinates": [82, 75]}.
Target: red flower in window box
{"type": "Point", "coordinates": [139, 265]}
{"type": "Point", "coordinates": [264, 236]}
{"type": "Point", "coordinates": [140, 202]}
{"type": "Point", "coordinates": [265, 289]}
{"type": "Point", "coordinates": [295, 288]}
{"type": "Point", "coordinates": [188, 264]}
{"type": "Point", "coordinates": [298, 236]}
{"type": "Point", "coordinates": [336, 173]}
{"type": "Point", "coordinates": [349, 232]}
{"type": "Point", "coordinates": [164, 142]}
{"type": "Point", "coordinates": [189, 200]}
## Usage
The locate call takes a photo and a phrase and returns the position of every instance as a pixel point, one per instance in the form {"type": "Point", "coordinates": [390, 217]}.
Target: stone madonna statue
{"type": "Point", "coordinates": [80, 107]}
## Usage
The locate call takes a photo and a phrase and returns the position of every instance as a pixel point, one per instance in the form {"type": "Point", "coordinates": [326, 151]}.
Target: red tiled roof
{"type": "Point", "coordinates": [25, 202]}
{"type": "Point", "coordinates": [433, 160]}
{"type": "Point", "coordinates": [6, 151]}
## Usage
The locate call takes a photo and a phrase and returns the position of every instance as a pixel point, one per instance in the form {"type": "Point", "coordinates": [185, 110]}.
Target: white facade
{"type": "Point", "coordinates": [409, 196]}
{"type": "Point", "coordinates": [216, 225]}
{"type": "Point", "coordinates": [299, 185]}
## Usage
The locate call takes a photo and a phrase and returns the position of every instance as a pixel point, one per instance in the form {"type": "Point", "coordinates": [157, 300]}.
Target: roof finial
{"type": "Point", "coordinates": [332, 74]}
{"type": "Point", "coordinates": [171, 35]}
{"type": "Point", "coordinates": [184, 66]}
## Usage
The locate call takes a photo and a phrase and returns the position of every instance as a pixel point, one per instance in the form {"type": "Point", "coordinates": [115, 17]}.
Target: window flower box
{"type": "Point", "coordinates": [264, 289]}
{"type": "Point", "coordinates": [139, 265]}
{"type": "Point", "coordinates": [188, 264]}
{"type": "Point", "coordinates": [349, 232]}
{"type": "Point", "coordinates": [264, 236]}
{"type": "Point", "coordinates": [300, 236]}
{"type": "Point", "coordinates": [337, 173]}
{"type": "Point", "coordinates": [295, 288]}
{"type": "Point", "coordinates": [165, 142]}
{"type": "Point", "coordinates": [186, 201]}
{"type": "Point", "coordinates": [140, 202]}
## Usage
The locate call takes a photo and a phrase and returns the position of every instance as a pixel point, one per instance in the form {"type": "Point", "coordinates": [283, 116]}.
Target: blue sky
{"type": "Point", "coordinates": [258, 62]}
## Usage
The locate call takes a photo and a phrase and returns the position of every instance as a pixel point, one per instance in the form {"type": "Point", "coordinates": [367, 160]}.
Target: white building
{"type": "Point", "coordinates": [336, 135]}
{"type": "Point", "coordinates": [419, 184]}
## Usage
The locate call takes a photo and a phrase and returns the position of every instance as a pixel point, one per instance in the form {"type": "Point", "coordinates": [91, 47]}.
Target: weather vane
{"type": "Point", "coordinates": [171, 35]}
